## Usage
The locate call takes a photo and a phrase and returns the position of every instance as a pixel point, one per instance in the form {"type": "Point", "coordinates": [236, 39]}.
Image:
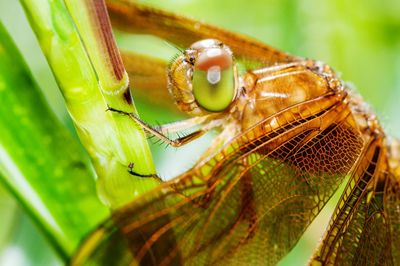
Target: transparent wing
{"type": "Point", "coordinates": [392, 209]}
{"type": "Point", "coordinates": [137, 18]}
{"type": "Point", "coordinates": [365, 226]}
{"type": "Point", "coordinates": [149, 79]}
{"type": "Point", "coordinates": [247, 203]}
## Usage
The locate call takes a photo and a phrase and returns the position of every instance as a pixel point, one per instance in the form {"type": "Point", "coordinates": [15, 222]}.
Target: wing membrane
{"type": "Point", "coordinates": [248, 203]}
{"type": "Point", "coordinates": [365, 226]}
{"type": "Point", "coordinates": [149, 79]}
{"type": "Point", "coordinates": [392, 209]}
{"type": "Point", "coordinates": [136, 18]}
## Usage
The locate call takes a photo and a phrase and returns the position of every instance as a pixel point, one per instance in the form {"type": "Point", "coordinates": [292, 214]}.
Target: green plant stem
{"type": "Point", "coordinates": [80, 49]}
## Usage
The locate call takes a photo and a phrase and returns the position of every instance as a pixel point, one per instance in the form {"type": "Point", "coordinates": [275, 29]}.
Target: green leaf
{"type": "Point", "coordinates": [41, 163]}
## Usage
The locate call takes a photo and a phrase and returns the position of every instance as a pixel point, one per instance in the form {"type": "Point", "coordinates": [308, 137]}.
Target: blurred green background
{"type": "Point", "coordinates": [360, 39]}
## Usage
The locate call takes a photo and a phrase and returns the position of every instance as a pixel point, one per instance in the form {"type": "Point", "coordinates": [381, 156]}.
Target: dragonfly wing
{"type": "Point", "coordinates": [249, 203]}
{"type": "Point", "coordinates": [149, 79]}
{"type": "Point", "coordinates": [136, 18]}
{"type": "Point", "coordinates": [392, 207]}
{"type": "Point", "coordinates": [365, 226]}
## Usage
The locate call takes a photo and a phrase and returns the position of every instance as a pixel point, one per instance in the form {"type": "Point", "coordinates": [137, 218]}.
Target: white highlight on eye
{"type": "Point", "coordinates": [213, 52]}
{"type": "Point", "coordinates": [214, 74]}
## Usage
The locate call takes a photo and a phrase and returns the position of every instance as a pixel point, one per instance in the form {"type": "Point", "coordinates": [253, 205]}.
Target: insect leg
{"type": "Point", "coordinates": [130, 171]}
{"type": "Point", "coordinates": [160, 132]}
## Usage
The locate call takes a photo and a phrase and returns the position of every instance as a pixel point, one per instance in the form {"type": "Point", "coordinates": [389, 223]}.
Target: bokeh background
{"type": "Point", "coordinates": [359, 38]}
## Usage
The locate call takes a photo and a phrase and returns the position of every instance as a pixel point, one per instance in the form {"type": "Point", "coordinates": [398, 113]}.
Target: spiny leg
{"type": "Point", "coordinates": [180, 141]}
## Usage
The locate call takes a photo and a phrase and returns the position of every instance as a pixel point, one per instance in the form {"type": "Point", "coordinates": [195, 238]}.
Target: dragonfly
{"type": "Point", "coordinates": [289, 133]}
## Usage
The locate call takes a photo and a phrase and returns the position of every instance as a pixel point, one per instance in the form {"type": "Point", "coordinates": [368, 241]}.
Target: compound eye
{"type": "Point", "coordinates": [213, 76]}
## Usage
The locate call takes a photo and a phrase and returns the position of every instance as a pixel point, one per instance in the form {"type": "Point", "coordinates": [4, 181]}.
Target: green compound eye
{"type": "Point", "coordinates": [213, 79]}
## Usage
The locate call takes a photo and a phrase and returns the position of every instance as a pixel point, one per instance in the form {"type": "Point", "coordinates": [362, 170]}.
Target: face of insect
{"type": "Point", "coordinates": [203, 78]}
